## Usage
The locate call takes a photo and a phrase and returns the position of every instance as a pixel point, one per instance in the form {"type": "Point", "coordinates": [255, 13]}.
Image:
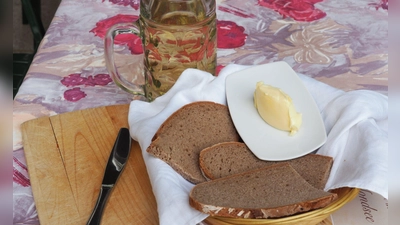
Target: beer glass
{"type": "Point", "coordinates": [176, 35]}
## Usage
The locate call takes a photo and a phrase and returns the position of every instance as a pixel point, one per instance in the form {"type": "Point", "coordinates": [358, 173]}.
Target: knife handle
{"type": "Point", "coordinates": [97, 213]}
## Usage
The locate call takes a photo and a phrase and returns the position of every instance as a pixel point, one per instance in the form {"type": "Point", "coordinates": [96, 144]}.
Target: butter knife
{"type": "Point", "coordinates": [116, 162]}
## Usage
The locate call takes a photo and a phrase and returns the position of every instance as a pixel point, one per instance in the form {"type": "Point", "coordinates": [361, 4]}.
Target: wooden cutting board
{"type": "Point", "coordinates": [66, 156]}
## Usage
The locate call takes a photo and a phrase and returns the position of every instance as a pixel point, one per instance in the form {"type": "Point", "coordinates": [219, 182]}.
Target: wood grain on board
{"type": "Point", "coordinates": [66, 156]}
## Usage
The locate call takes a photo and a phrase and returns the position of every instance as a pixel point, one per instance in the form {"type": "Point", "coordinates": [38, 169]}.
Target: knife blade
{"type": "Point", "coordinates": [116, 162]}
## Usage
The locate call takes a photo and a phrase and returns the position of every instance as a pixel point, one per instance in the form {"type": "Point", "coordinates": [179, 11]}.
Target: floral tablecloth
{"type": "Point", "coordinates": [343, 43]}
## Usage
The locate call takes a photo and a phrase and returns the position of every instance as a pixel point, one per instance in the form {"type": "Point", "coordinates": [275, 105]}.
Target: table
{"type": "Point", "coordinates": [341, 43]}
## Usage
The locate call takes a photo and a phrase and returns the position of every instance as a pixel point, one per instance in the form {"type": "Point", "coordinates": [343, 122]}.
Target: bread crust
{"type": "Point", "coordinates": [263, 213]}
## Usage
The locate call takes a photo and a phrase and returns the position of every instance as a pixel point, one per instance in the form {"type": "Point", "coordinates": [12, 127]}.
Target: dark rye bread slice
{"type": "Point", "coordinates": [187, 131]}
{"type": "Point", "coordinates": [229, 158]}
{"type": "Point", "coordinates": [270, 192]}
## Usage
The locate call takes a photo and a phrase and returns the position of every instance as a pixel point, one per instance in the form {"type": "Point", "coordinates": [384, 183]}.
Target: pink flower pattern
{"type": "Point", "coordinates": [236, 11]}
{"type": "Point", "coordinates": [74, 94]}
{"type": "Point", "coordinates": [230, 35]}
{"type": "Point", "coordinates": [132, 41]}
{"type": "Point", "coordinates": [76, 79]}
{"type": "Point", "coordinates": [384, 4]}
{"type": "Point", "coordinates": [299, 10]}
{"type": "Point", "coordinates": [18, 177]}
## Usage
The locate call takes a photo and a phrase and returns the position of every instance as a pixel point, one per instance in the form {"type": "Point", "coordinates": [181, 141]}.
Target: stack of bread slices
{"type": "Point", "coordinates": [200, 142]}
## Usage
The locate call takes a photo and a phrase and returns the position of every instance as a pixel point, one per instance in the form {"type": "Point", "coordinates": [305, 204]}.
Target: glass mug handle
{"type": "Point", "coordinates": [123, 28]}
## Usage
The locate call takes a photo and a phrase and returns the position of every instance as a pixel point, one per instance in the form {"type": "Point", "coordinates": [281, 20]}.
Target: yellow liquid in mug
{"type": "Point", "coordinates": [174, 41]}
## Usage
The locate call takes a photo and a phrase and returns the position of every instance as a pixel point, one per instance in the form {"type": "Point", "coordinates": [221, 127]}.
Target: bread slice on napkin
{"type": "Point", "coordinates": [230, 158]}
{"type": "Point", "coordinates": [187, 131]}
{"type": "Point", "coordinates": [270, 192]}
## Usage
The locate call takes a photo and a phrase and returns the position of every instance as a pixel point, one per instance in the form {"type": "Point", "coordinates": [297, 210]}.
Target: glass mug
{"type": "Point", "coordinates": [176, 35]}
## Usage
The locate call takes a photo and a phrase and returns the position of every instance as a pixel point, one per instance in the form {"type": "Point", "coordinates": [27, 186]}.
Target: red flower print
{"type": "Point", "coordinates": [132, 41]}
{"type": "Point", "coordinates": [74, 94]}
{"type": "Point", "coordinates": [76, 80]}
{"type": "Point", "coordinates": [299, 10]}
{"type": "Point", "coordinates": [73, 80]}
{"type": "Point", "coordinates": [384, 4]}
{"type": "Point", "coordinates": [230, 35]}
{"type": "Point", "coordinates": [133, 3]}
{"type": "Point", "coordinates": [236, 11]}
{"type": "Point", "coordinates": [102, 79]}
{"type": "Point", "coordinates": [19, 177]}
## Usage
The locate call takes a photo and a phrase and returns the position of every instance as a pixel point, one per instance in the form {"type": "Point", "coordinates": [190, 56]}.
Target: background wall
{"type": "Point", "coordinates": [22, 35]}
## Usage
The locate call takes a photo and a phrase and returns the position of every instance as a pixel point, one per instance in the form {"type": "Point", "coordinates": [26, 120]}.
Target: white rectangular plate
{"type": "Point", "coordinates": [265, 141]}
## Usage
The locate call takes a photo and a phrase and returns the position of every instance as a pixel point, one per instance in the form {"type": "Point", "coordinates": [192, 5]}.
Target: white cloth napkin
{"type": "Point", "coordinates": [356, 124]}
